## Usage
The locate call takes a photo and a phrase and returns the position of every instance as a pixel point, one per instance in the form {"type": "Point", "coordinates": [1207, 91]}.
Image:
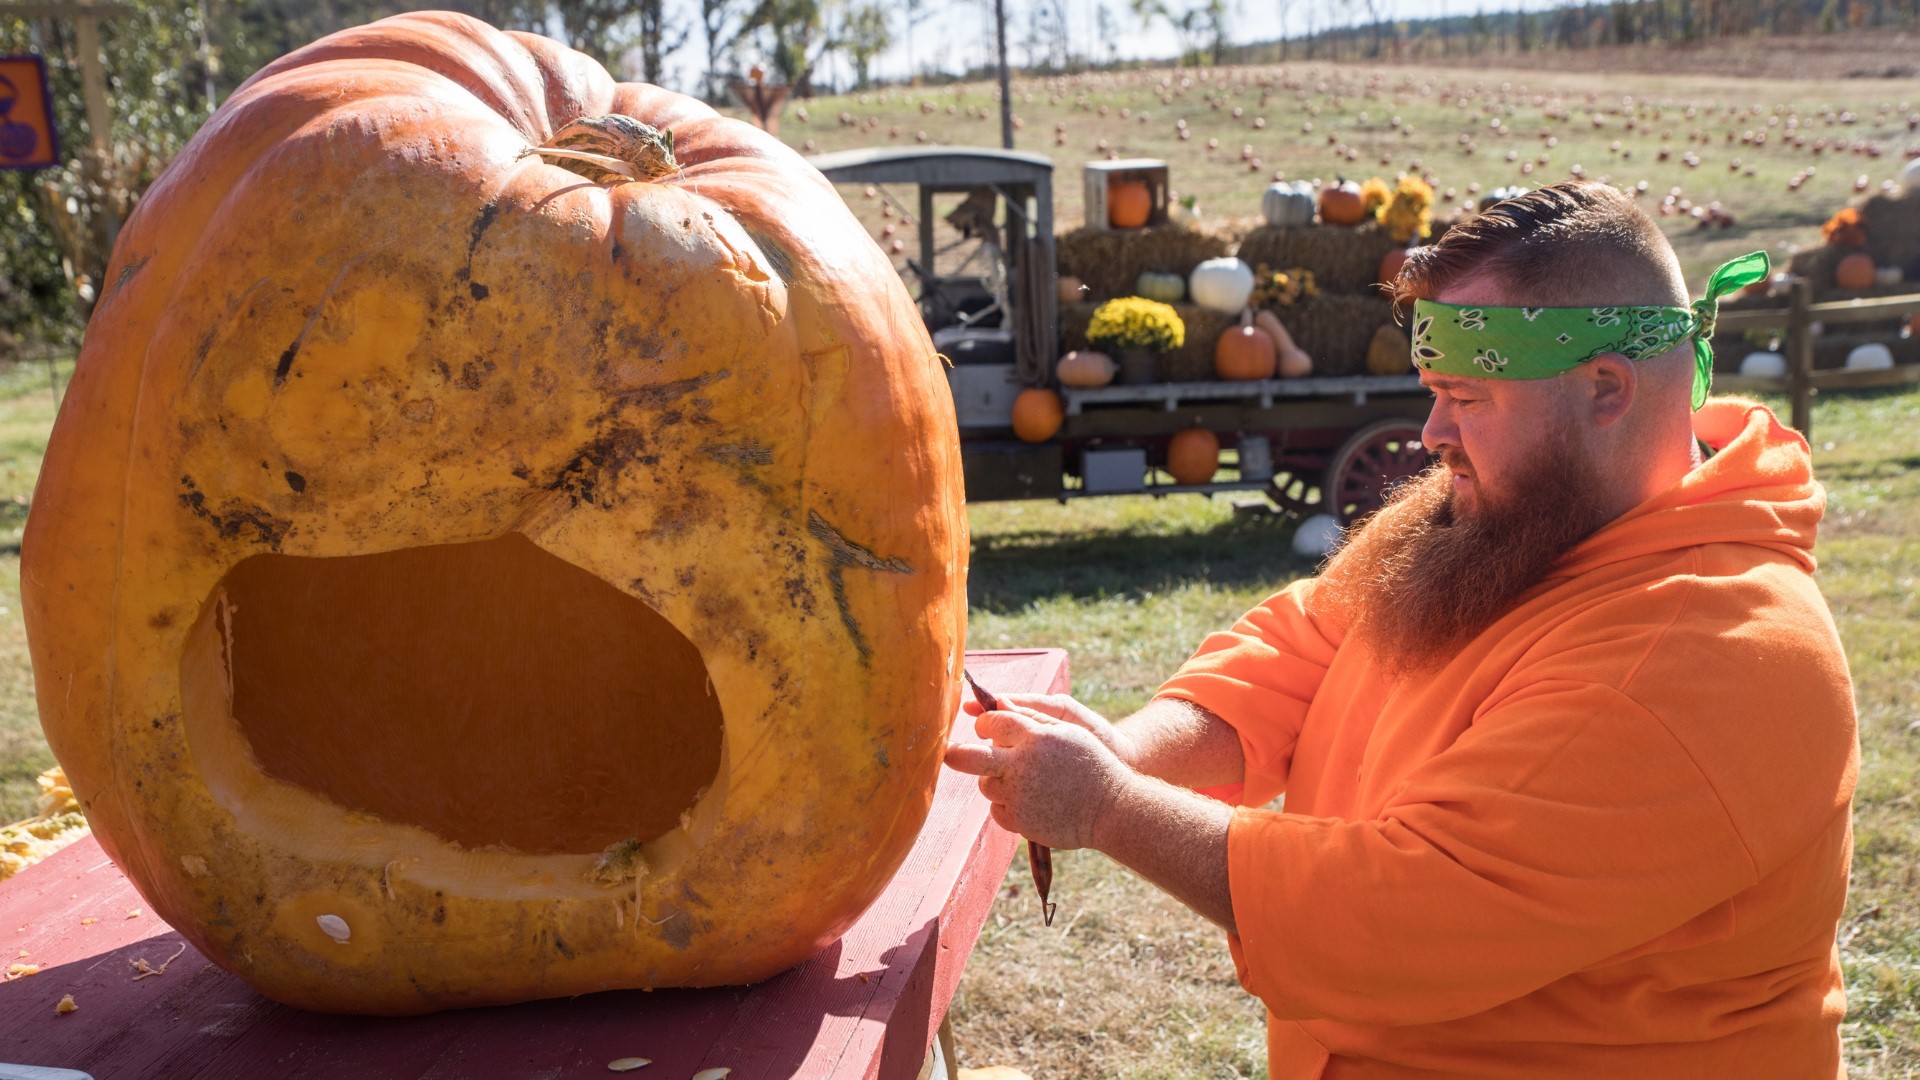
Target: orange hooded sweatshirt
{"type": "Point", "coordinates": [1608, 839]}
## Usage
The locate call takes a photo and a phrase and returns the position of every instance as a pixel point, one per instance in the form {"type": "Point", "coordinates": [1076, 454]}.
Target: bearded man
{"type": "Point", "coordinates": [1565, 732]}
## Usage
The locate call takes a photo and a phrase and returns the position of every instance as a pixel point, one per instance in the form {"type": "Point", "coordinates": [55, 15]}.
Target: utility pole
{"type": "Point", "coordinates": [93, 82]}
{"type": "Point", "coordinates": [1006, 90]}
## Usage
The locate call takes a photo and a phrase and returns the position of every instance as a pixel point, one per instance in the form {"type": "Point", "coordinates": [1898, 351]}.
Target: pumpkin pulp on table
{"type": "Point", "coordinates": [504, 538]}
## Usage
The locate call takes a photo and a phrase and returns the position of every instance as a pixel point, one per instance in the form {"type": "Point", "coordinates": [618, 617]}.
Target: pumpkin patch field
{"type": "Point", "coordinates": [1126, 982]}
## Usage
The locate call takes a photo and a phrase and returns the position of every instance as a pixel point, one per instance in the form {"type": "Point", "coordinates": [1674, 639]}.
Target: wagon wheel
{"type": "Point", "coordinates": [1368, 465]}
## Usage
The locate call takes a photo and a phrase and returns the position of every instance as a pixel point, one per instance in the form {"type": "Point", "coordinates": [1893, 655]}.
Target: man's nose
{"type": "Point", "coordinates": [1440, 430]}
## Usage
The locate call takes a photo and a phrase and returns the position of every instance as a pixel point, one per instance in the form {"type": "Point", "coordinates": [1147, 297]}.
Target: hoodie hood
{"type": "Point", "coordinates": [1757, 489]}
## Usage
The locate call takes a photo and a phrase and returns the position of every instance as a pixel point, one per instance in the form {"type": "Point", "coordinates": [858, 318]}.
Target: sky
{"type": "Point", "coordinates": [957, 33]}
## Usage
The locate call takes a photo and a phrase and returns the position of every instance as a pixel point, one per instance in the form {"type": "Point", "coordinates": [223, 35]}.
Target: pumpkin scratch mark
{"type": "Point", "coordinates": [285, 366]}
{"type": "Point", "coordinates": [846, 553]}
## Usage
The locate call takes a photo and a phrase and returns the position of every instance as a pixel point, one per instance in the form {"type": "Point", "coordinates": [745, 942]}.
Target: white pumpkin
{"type": "Point", "coordinates": [1288, 204]}
{"type": "Point", "coordinates": [1221, 285]}
{"type": "Point", "coordinates": [1910, 176]}
{"type": "Point", "coordinates": [1872, 356]}
{"type": "Point", "coordinates": [1763, 365]}
{"type": "Point", "coordinates": [1316, 536]}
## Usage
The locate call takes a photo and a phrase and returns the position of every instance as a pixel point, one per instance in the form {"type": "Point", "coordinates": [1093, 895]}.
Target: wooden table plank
{"type": "Point", "coordinates": [868, 1005]}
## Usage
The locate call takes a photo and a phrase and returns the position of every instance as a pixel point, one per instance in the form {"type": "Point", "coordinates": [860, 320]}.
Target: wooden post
{"type": "Point", "coordinates": [93, 82]}
{"type": "Point", "coordinates": [98, 159]}
{"type": "Point", "coordinates": [1800, 356]}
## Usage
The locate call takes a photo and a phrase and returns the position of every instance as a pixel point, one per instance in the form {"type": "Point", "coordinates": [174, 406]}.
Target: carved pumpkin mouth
{"type": "Point", "coordinates": [490, 693]}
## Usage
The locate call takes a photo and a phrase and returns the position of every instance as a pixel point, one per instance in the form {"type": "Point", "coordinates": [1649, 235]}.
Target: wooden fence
{"type": "Point", "coordinates": [1797, 319]}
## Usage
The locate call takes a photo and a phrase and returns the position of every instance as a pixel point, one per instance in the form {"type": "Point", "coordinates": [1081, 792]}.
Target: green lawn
{"type": "Point", "coordinates": [26, 416]}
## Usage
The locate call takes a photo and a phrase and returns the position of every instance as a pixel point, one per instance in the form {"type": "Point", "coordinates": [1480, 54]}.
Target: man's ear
{"type": "Point", "coordinates": [1611, 381]}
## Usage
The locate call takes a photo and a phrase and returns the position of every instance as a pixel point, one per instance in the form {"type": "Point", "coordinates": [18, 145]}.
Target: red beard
{"type": "Point", "coordinates": [1415, 583]}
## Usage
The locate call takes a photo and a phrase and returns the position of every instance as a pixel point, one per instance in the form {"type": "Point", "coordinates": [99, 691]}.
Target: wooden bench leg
{"type": "Point", "coordinates": [941, 1063]}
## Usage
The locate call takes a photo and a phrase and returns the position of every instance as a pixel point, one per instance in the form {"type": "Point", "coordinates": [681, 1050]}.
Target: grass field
{"type": "Point", "coordinates": [1128, 983]}
{"type": "Point", "coordinates": [1367, 121]}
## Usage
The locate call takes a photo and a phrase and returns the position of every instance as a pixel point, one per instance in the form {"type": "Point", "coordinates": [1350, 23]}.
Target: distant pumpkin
{"type": "Point", "coordinates": [1390, 352]}
{"type": "Point", "coordinates": [1391, 264]}
{"type": "Point", "coordinates": [1854, 272]}
{"type": "Point", "coordinates": [1244, 352]}
{"type": "Point", "coordinates": [1193, 456]}
{"type": "Point", "coordinates": [1037, 414]}
{"type": "Point", "coordinates": [1086, 369]}
{"type": "Point", "coordinates": [1129, 204]}
{"type": "Point", "coordinates": [1342, 204]}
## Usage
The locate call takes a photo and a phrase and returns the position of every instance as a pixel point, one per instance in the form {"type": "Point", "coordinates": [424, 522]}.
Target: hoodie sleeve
{"type": "Point", "coordinates": [1261, 676]}
{"type": "Point", "coordinates": [1567, 826]}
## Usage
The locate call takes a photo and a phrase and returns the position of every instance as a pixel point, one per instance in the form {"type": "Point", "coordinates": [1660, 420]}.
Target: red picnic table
{"type": "Point", "coordinates": [868, 1006]}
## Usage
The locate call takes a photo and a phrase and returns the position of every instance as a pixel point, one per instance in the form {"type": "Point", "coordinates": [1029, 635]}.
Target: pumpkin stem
{"type": "Point", "coordinates": [610, 149]}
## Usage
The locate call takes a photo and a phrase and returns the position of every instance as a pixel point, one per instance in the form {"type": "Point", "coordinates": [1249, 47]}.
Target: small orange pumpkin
{"type": "Point", "coordinates": [1342, 204]}
{"type": "Point", "coordinates": [1390, 265]}
{"type": "Point", "coordinates": [1129, 204]}
{"type": "Point", "coordinates": [1037, 414]}
{"type": "Point", "coordinates": [1854, 273]}
{"type": "Point", "coordinates": [1244, 352]}
{"type": "Point", "coordinates": [1193, 455]}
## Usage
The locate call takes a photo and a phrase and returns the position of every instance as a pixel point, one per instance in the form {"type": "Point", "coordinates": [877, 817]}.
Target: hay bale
{"type": "Point", "coordinates": [1336, 329]}
{"type": "Point", "coordinates": [1343, 260]}
{"type": "Point", "coordinates": [1108, 263]}
{"type": "Point", "coordinates": [1893, 228]}
{"type": "Point", "coordinates": [1191, 362]}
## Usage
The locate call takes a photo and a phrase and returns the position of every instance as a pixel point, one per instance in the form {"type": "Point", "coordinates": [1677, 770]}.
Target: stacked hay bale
{"type": "Point", "coordinates": [1109, 263]}
{"type": "Point", "coordinates": [1891, 227]}
{"type": "Point", "coordinates": [1336, 326]}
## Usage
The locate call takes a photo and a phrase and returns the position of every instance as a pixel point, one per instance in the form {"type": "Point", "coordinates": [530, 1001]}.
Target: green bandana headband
{"type": "Point", "coordinates": [1541, 342]}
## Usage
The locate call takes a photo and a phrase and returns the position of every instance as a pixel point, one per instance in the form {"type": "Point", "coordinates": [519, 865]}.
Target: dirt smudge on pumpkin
{"type": "Point", "coordinates": [489, 214]}
{"type": "Point", "coordinates": [844, 553]}
{"type": "Point", "coordinates": [234, 518]}
{"type": "Point", "coordinates": [591, 474]}
{"type": "Point", "coordinates": [746, 458]}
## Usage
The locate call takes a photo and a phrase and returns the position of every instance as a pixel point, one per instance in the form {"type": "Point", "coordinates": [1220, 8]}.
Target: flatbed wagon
{"type": "Point", "coordinates": [986, 277]}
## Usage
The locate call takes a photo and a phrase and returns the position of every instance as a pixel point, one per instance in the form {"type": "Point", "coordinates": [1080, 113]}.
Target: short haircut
{"type": "Point", "coordinates": [1573, 244]}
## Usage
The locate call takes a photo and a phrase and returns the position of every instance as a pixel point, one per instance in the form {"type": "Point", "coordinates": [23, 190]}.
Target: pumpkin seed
{"type": "Point", "coordinates": [628, 1064]}
{"type": "Point", "coordinates": [335, 927]}
{"type": "Point", "coordinates": [713, 1074]}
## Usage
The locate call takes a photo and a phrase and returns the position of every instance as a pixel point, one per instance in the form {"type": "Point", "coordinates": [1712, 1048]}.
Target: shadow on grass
{"type": "Point", "coordinates": [1011, 570]}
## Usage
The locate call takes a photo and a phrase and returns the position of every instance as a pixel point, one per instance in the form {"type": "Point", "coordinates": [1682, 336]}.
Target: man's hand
{"type": "Point", "coordinates": [1064, 708]}
{"type": "Point", "coordinates": [1049, 777]}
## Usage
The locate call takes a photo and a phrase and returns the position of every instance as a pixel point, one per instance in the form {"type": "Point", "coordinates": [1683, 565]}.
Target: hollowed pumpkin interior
{"type": "Point", "coordinates": [488, 692]}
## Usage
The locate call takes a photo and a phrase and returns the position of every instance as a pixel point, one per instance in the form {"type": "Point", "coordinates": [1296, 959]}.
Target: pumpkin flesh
{"type": "Point", "coordinates": [364, 357]}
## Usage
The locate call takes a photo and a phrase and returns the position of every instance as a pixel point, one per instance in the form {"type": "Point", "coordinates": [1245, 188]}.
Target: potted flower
{"type": "Point", "coordinates": [1136, 330]}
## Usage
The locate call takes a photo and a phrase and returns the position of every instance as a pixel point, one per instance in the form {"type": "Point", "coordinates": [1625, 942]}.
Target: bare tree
{"type": "Point", "coordinates": [661, 33]}
{"type": "Point", "coordinates": [1201, 27]}
{"type": "Point", "coordinates": [722, 24]}
{"type": "Point", "coordinates": [864, 35]}
{"type": "Point", "coordinates": [1281, 8]}
{"type": "Point", "coordinates": [796, 40]}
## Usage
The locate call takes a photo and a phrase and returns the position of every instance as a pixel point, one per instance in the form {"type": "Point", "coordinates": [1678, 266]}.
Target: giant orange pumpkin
{"type": "Point", "coordinates": [455, 579]}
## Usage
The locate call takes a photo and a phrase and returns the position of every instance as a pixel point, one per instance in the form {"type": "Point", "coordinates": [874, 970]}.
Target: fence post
{"type": "Point", "coordinates": [1800, 356]}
